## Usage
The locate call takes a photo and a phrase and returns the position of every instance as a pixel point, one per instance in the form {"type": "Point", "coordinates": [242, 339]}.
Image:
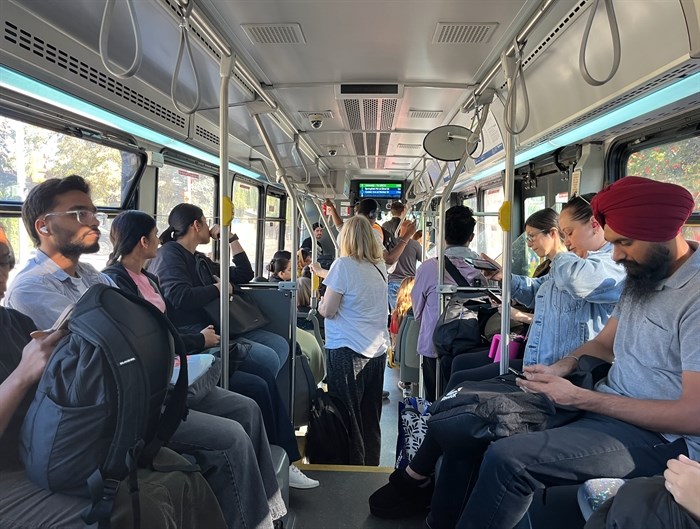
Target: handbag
{"type": "Point", "coordinates": [244, 315]}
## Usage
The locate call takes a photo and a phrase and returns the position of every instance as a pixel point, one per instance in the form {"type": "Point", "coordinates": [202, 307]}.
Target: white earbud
{"type": "Point", "coordinates": [44, 229]}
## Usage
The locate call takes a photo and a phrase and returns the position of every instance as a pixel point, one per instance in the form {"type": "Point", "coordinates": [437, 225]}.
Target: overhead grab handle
{"type": "Point", "coordinates": [514, 72]}
{"type": "Point", "coordinates": [104, 40]}
{"type": "Point", "coordinates": [614, 33]}
{"type": "Point", "coordinates": [186, 10]}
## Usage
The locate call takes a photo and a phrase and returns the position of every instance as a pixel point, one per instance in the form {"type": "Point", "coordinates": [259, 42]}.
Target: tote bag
{"type": "Point", "coordinates": [244, 314]}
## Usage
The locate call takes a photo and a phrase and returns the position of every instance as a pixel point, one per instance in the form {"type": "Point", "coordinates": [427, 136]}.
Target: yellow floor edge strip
{"type": "Point", "coordinates": [345, 468]}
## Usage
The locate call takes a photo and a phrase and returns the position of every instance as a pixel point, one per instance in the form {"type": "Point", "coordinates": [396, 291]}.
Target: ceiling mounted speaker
{"type": "Point", "coordinates": [449, 142]}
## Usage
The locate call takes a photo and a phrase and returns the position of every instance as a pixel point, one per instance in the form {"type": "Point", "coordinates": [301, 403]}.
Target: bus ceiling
{"type": "Point", "coordinates": [349, 92]}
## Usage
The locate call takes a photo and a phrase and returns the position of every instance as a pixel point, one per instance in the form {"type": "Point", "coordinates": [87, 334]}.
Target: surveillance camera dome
{"type": "Point", "coordinates": [316, 120]}
{"type": "Point", "coordinates": [332, 150]}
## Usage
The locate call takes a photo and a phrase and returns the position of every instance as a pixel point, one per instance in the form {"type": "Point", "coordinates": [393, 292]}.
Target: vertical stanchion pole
{"type": "Point", "coordinates": [225, 212]}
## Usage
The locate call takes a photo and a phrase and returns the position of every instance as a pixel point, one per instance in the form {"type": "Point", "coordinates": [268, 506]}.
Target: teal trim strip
{"type": "Point", "coordinates": [17, 82]}
{"type": "Point", "coordinates": [649, 103]}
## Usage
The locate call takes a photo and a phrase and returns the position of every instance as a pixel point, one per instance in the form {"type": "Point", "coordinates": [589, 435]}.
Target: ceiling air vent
{"type": "Point", "coordinates": [424, 114]}
{"type": "Point", "coordinates": [463, 32]}
{"type": "Point", "coordinates": [274, 33]}
{"type": "Point", "coordinates": [369, 91]}
{"type": "Point", "coordinates": [409, 146]}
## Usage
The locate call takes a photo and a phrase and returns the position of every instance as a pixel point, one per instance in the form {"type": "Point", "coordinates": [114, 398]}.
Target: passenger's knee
{"type": "Point", "coordinates": [504, 457]}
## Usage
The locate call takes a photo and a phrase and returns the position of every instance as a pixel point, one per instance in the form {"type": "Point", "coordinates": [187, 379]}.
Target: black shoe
{"type": "Point", "coordinates": [402, 497]}
{"type": "Point", "coordinates": [385, 394]}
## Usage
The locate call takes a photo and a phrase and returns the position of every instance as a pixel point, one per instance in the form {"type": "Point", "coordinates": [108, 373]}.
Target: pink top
{"type": "Point", "coordinates": [147, 290]}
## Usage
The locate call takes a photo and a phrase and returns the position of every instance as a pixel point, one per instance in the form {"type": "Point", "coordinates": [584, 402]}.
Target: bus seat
{"type": "Point", "coordinates": [407, 349]}
{"type": "Point", "coordinates": [308, 320]}
{"type": "Point", "coordinates": [594, 492]}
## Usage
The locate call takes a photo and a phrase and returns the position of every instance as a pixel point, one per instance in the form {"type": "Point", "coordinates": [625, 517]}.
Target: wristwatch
{"type": "Point", "coordinates": [233, 237]}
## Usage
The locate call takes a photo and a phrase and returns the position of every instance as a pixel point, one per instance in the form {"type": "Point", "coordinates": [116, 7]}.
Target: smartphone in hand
{"type": "Point", "coordinates": [482, 264]}
{"type": "Point", "coordinates": [517, 373]}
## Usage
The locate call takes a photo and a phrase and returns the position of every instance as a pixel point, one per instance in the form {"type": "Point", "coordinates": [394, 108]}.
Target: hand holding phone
{"type": "Point", "coordinates": [517, 373]}
{"type": "Point", "coordinates": [483, 264]}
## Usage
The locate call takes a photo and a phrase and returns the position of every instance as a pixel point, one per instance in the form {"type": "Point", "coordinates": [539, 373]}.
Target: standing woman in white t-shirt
{"type": "Point", "coordinates": [354, 307]}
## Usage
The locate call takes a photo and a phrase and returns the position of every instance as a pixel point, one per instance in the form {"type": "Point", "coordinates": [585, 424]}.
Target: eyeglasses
{"type": "Point", "coordinates": [83, 216]}
{"type": "Point", "coordinates": [529, 237]}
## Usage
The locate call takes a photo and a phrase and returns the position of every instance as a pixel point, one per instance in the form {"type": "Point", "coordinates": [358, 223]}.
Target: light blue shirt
{"type": "Point", "coordinates": [572, 303]}
{"type": "Point", "coordinates": [42, 289]}
{"type": "Point", "coordinates": [657, 339]}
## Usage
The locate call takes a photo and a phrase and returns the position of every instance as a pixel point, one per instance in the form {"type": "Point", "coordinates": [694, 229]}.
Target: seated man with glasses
{"type": "Point", "coordinates": [224, 431]}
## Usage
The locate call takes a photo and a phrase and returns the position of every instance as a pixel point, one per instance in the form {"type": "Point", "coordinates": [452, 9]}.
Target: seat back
{"type": "Point", "coordinates": [407, 349]}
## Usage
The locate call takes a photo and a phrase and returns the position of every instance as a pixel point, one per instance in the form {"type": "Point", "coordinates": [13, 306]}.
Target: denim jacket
{"type": "Point", "coordinates": [572, 303]}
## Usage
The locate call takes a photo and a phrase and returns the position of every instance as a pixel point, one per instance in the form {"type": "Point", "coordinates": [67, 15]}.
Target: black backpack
{"type": "Point", "coordinates": [98, 413]}
{"type": "Point", "coordinates": [328, 435]}
{"type": "Point", "coordinates": [459, 328]}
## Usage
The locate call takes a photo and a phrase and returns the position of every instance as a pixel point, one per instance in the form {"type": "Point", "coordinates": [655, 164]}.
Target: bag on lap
{"type": "Point", "coordinates": [487, 410]}
{"type": "Point", "coordinates": [98, 413]}
{"type": "Point", "coordinates": [328, 435]}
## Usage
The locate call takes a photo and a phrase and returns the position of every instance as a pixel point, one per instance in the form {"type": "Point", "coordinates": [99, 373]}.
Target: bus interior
{"type": "Point", "coordinates": [261, 111]}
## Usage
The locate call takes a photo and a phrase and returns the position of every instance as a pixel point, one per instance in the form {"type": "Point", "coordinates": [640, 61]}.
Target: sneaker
{"type": "Point", "coordinates": [402, 497]}
{"type": "Point", "coordinates": [385, 394]}
{"type": "Point", "coordinates": [404, 385]}
{"type": "Point", "coordinates": [299, 480]}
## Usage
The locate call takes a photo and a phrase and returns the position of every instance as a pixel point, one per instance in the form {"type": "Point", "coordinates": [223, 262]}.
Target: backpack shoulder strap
{"type": "Point", "coordinates": [455, 273]}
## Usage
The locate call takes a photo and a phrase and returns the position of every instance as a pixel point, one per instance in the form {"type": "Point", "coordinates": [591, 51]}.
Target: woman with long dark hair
{"type": "Point", "coordinates": [249, 376]}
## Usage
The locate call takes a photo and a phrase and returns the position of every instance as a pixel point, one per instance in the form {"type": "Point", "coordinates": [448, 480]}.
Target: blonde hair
{"type": "Point", "coordinates": [403, 298]}
{"type": "Point", "coordinates": [357, 240]}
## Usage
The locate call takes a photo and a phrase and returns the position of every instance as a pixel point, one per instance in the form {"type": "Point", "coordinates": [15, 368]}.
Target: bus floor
{"type": "Point", "coordinates": [341, 500]}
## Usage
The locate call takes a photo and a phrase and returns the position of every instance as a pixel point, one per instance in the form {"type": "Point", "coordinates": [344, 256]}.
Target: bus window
{"type": "Point", "coordinates": [489, 234]}
{"type": "Point", "coordinates": [246, 198]}
{"type": "Point", "coordinates": [559, 200]}
{"type": "Point", "coordinates": [177, 185]}
{"type": "Point", "coordinates": [533, 204]}
{"type": "Point", "coordinates": [677, 162]}
{"type": "Point", "coordinates": [288, 227]}
{"type": "Point", "coordinates": [30, 154]}
{"type": "Point", "coordinates": [273, 224]}
{"type": "Point", "coordinates": [470, 202]}
{"type": "Point", "coordinates": [524, 259]}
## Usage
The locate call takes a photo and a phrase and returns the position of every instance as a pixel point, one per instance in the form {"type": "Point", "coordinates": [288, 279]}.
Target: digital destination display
{"type": "Point", "coordinates": [381, 190]}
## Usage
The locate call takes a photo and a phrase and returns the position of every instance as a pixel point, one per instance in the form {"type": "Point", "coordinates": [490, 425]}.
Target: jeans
{"type": "Point", "coordinates": [256, 382]}
{"type": "Point", "coordinates": [268, 349]}
{"type": "Point", "coordinates": [496, 493]}
{"type": "Point", "coordinates": [393, 292]}
{"type": "Point", "coordinates": [357, 381]}
{"type": "Point", "coordinates": [226, 436]}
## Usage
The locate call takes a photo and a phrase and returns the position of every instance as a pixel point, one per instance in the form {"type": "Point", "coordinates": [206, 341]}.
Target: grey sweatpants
{"type": "Point", "coordinates": [358, 382]}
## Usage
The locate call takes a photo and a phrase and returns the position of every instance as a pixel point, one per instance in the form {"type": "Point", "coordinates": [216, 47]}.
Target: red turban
{"type": "Point", "coordinates": [643, 209]}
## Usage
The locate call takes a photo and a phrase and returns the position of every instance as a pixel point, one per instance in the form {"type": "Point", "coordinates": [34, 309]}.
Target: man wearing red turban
{"type": "Point", "coordinates": [647, 411]}
{"type": "Point", "coordinates": [643, 209]}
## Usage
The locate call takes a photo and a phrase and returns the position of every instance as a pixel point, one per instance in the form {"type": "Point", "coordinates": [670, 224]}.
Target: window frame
{"type": "Point", "coordinates": [674, 130]}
